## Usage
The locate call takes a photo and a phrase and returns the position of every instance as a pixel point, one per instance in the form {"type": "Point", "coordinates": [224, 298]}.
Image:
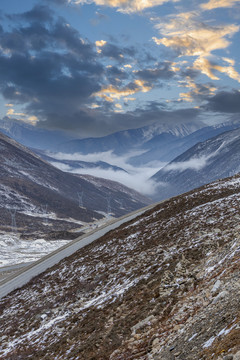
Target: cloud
{"type": "Point", "coordinates": [39, 13]}
{"type": "Point", "coordinates": [100, 43]}
{"type": "Point", "coordinates": [207, 67]}
{"type": "Point", "coordinates": [117, 53]}
{"type": "Point", "coordinates": [96, 123]}
{"type": "Point", "coordinates": [126, 6]}
{"type": "Point", "coordinates": [164, 70]}
{"type": "Point", "coordinates": [111, 93]}
{"type": "Point", "coordinates": [226, 102]}
{"type": "Point", "coordinates": [198, 92]}
{"type": "Point", "coordinates": [11, 113]}
{"type": "Point", "coordinates": [190, 37]}
{"type": "Point", "coordinates": [56, 76]}
{"type": "Point", "coordinates": [214, 4]}
{"type": "Point", "coordinates": [135, 178]}
{"type": "Point", "coordinates": [49, 70]}
{"type": "Point", "coordinates": [194, 164]}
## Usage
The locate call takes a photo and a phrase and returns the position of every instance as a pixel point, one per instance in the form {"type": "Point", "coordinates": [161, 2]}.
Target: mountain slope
{"type": "Point", "coordinates": [74, 165]}
{"type": "Point", "coordinates": [166, 147]}
{"type": "Point", "coordinates": [32, 136]}
{"type": "Point", "coordinates": [164, 286]}
{"type": "Point", "coordinates": [123, 142]}
{"type": "Point", "coordinates": [36, 190]}
{"type": "Point", "coordinates": [213, 159]}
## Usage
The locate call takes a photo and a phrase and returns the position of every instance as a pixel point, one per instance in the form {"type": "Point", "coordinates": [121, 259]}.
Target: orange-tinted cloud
{"type": "Point", "coordinates": [214, 4]}
{"type": "Point", "coordinates": [196, 90]}
{"type": "Point", "coordinates": [190, 37]}
{"type": "Point", "coordinates": [112, 93]}
{"type": "Point", "coordinates": [127, 6]}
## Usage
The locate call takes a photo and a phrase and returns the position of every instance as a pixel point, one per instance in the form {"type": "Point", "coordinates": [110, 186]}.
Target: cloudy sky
{"type": "Point", "coordinates": [92, 67]}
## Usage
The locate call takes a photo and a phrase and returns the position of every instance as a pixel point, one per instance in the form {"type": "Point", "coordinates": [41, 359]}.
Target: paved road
{"type": "Point", "coordinates": [14, 267]}
{"type": "Point", "coordinates": [26, 274]}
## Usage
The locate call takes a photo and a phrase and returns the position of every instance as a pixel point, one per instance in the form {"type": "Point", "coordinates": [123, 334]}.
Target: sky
{"type": "Point", "coordinates": [93, 67]}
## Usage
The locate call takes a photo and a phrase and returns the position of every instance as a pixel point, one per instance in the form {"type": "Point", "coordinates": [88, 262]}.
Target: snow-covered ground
{"type": "Point", "coordinates": [16, 251]}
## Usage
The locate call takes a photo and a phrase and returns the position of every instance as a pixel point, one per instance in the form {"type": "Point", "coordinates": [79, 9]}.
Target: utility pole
{"type": "Point", "coordinates": [120, 203]}
{"type": "Point", "coordinates": [13, 218]}
{"type": "Point", "coordinates": [109, 204]}
{"type": "Point", "coordinates": [80, 199]}
{"type": "Point", "coordinates": [44, 212]}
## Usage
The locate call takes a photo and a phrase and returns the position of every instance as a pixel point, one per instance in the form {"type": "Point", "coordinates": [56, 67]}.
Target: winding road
{"type": "Point", "coordinates": [24, 275]}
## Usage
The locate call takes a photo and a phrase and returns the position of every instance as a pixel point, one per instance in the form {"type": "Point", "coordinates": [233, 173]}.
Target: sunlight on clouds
{"type": "Point", "coordinates": [195, 90]}
{"type": "Point", "coordinates": [100, 43]}
{"type": "Point", "coordinates": [214, 4]}
{"type": "Point", "coordinates": [94, 106]}
{"type": "Point", "coordinates": [111, 93]}
{"type": "Point", "coordinates": [190, 37]}
{"type": "Point", "coordinates": [126, 6]}
{"type": "Point", "coordinates": [206, 67]}
{"type": "Point", "coordinates": [229, 61]}
{"type": "Point", "coordinates": [32, 119]}
{"type": "Point", "coordinates": [193, 38]}
{"type": "Point", "coordinates": [12, 112]}
{"type": "Point", "coordinates": [24, 117]}
{"type": "Point", "coordinates": [118, 106]}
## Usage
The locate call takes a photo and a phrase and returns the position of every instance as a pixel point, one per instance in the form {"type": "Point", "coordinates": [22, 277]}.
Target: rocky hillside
{"type": "Point", "coordinates": [164, 286]}
{"type": "Point", "coordinates": [37, 192]}
{"type": "Point", "coordinates": [203, 163]}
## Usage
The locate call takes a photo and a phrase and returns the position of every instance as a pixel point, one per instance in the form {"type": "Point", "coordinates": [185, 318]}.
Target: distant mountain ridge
{"type": "Point", "coordinates": [32, 136]}
{"type": "Point", "coordinates": [158, 142]}
{"type": "Point", "coordinates": [165, 147]}
{"type": "Point", "coordinates": [73, 165]}
{"type": "Point", "coordinates": [207, 161]}
{"type": "Point", "coordinates": [125, 141]}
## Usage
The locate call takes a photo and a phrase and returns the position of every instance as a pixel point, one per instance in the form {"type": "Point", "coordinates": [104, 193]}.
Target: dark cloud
{"type": "Point", "coordinates": [58, 36]}
{"type": "Point", "coordinates": [96, 122]}
{"type": "Point", "coordinates": [160, 71]}
{"type": "Point", "coordinates": [53, 73]}
{"type": "Point", "coordinates": [49, 69]}
{"type": "Point", "coordinates": [226, 102]}
{"type": "Point", "coordinates": [115, 52]}
{"type": "Point", "coordinates": [39, 13]}
{"type": "Point", "coordinates": [190, 73]}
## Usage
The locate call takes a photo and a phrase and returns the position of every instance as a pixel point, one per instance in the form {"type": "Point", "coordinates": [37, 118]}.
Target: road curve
{"type": "Point", "coordinates": [21, 278]}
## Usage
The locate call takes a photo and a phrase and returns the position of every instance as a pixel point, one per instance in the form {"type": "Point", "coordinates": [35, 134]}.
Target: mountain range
{"type": "Point", "coordinates": [159, 142]}
{"type": "Point", "coordinates": [164, 286]}
{"type": "Point", "coordinates": [203, 163]}
{"type": "Point", "coordinates": [35, 193]}
{"type": "Point", "coordinates": [32, 136]}
{"type": "Point", "coordinates": [73, 165]}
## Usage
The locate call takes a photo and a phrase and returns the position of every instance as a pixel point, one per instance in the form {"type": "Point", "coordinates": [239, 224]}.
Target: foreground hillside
{"type": "Point", "coordinates": [44, 198]}
{"type": "Point", "coordinates": [164, 286]}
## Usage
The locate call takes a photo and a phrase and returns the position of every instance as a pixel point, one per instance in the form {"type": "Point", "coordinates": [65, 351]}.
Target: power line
{"type": "Point", "coordinates": [13, 218]}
